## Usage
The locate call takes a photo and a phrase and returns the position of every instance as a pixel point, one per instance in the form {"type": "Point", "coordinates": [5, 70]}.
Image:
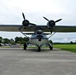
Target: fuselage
{"type": "Point", "coordinates": [38, 39]}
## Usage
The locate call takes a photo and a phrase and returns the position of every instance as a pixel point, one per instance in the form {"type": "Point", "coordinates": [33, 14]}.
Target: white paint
{"type": "Point", "coordinates": [37, 42]}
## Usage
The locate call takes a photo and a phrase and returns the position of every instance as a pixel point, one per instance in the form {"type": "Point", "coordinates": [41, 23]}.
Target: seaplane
{"type": "Point", "coordinates": [38, 32]}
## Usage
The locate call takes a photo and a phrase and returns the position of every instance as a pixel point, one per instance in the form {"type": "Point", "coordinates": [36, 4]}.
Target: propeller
{"type": "Point", "coordinates": [52, 20]}
{"type": "Point", "coordinates": [51, 23]}
{"type": "Point", "coordinates": [25, 22]}
{"type": "Point", "coordinates": [58, 20]}
{"type": "Point", "coordinates": [23, 15]}
{"type": "Point", "coordinates": [45, 18]}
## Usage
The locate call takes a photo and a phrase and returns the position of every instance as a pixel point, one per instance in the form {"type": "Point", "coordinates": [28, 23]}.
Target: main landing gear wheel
{"type": "Point", "coordinates": [39, 49]}
{"type": "Point", "coordinates": [51, 48]}
{"type": "Point", "coordinates": [25, 46]}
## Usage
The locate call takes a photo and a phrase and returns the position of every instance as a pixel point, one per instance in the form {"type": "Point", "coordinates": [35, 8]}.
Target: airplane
{"type": "Point", "coordinates": [38, 32]}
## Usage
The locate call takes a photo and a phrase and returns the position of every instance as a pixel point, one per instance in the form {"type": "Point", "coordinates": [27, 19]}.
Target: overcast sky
{"type": "Point", "coordinates": [11, 13]}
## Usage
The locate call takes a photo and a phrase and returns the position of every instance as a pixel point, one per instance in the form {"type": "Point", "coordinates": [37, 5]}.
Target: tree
{"type": "Point", "coordinates": [12, 41]}
{"type": "Point", "coordinates": [16, 39]}
{"type": "Point", "coordinates": [71, 42]}
{"type": "Point", "coordinates": [21, 40]}
{"type": "Point", "coordinates": [5, 40]}
{"type": "Point", "coordinates": [0, 39]}
{"type": "Point", "coordinates": [26, 39]}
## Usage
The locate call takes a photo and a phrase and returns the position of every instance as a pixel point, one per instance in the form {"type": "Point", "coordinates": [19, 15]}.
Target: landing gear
{"type": "Point", "coordinates": [25, 46]}
{"type": "Point", "coordinates": [51, 48]}
{"type": "Point", "coordinates": [39, 49]}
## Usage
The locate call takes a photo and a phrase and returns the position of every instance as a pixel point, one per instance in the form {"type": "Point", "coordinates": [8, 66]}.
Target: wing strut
{"type": "Point", "coordinates": [20, 29]}
{"type": "Point", "coordinates": [52, 34]}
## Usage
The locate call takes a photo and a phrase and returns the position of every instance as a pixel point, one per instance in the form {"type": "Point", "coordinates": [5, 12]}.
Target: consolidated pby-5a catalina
{"type": "Point", "coordinates": [38, 32]}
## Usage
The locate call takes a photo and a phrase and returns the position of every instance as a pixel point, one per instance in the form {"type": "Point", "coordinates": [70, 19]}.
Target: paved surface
{"type": "Point", "coordinates": [30, 62]}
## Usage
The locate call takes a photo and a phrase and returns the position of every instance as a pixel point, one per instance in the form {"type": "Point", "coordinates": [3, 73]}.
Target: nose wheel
{"type": "Point", "coordinates": [39, 49]}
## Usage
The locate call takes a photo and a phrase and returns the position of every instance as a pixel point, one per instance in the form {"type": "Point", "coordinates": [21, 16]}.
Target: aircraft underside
{"type": "Point", "coordinates": [38, 43]}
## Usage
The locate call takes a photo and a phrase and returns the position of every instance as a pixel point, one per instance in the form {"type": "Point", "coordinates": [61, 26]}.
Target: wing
{"type": "Point", "coordinates": [15, 28]}
{"type": "Point", "coordinates": [9, 27]}
{"type": "Point", "coordinates": [65, 29]}
{"type": "Point", "coordinates": [60, 29]}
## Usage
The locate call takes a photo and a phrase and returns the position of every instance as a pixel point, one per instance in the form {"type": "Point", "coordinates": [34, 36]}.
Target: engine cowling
{"type": "Point", "coordinates": [25, 23]}
{"type": "Point", "coordinates": [51, 24]}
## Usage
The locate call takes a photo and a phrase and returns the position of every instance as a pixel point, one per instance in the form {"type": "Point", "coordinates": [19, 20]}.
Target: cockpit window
{"type": "Point", "coordinates": [39, 32]}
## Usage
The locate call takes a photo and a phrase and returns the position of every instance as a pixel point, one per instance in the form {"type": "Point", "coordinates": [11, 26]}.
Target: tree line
{"type": "Point", "coordinates": [18, 40]}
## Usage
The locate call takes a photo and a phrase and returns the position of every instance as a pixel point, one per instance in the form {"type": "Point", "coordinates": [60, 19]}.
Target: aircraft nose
{"type": "Point", "coordinates": [39, 36]}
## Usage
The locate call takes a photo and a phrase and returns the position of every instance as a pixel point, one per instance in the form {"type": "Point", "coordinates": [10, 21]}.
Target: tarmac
{"type": "Point", "coordinates": [16, 61]}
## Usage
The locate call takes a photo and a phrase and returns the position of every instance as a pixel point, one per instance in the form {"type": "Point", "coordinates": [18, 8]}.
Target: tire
{"type": "Point", "coordinates": [25, 46]}
{"type": "Point", "coordinates": [39, 49]}
{"type": "Point", "coordinates": [51, 48]}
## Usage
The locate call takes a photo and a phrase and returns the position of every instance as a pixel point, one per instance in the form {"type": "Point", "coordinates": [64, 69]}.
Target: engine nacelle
{"type": "Point", "coordinates": [51, 24]}
{"type": "Point", "coordinates": [25, 23]}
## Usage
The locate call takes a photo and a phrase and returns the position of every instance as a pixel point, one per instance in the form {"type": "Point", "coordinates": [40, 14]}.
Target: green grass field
{"type": "Point", "coordinates": [68, 47]}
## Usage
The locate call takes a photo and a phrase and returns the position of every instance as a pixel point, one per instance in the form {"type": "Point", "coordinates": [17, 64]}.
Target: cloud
{"type": "Point", "coordinates": [53, 9]}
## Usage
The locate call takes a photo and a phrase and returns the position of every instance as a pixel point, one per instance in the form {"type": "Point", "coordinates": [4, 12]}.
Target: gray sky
{"type": "Point", "coordinates": [11, 13]}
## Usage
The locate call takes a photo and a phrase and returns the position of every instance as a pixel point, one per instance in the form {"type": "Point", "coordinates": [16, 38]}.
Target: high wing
{"type": "Point", "coordinates": [12, 28]}
{"type": "Point", "coordinates": [60, 28]}
{"type": "Point", "coordinates": [27, 26]}
{"type": "Point", "coordinates": [15, 28]}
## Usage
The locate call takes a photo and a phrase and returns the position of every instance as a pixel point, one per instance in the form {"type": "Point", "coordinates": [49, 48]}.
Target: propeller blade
{"type": "Point", "coordinates": [58, 20]}
{"type": "Point", "coordinates": [23, 16]}
{"type": "Point", "coordinates": [46, 18]}
{"type": "Point", "coordinates": [33, 24]}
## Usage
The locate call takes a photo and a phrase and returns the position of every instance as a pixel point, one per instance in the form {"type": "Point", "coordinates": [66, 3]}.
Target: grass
{"type": "Point", "coordinates": [68, 47]}
{"type": "Point", "coordinates": [4, 46]}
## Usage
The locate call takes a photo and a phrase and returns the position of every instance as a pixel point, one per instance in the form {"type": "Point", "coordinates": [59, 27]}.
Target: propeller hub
{"type": "Point", "coordinates": [51, 23]}
{"type": "Point", "coordinates": [25, 23]}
